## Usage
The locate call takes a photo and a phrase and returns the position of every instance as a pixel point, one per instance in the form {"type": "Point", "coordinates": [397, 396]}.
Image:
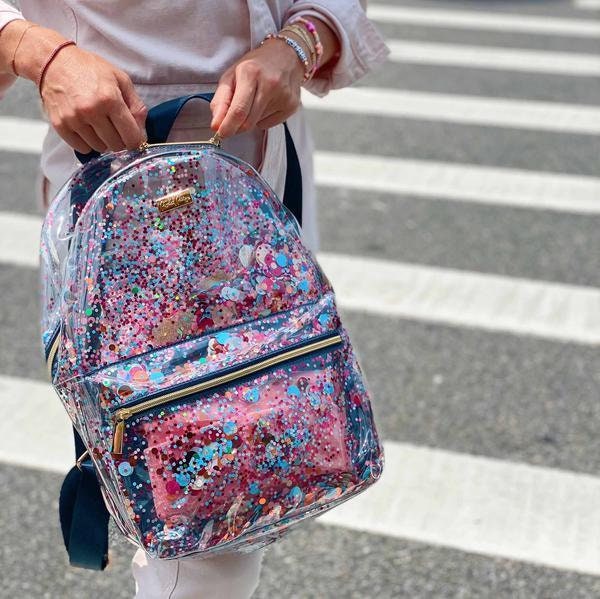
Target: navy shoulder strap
{"type": "Point", "coordinates": [83, 515]}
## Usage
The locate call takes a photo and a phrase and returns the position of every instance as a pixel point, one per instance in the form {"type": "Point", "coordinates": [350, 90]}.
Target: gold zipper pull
{"type": "Point", "coordinates": [119, 430]}
{"type": "Point", "coordinates": [215, 140]}
{"type": "Point", "coordinates": [143, 146]}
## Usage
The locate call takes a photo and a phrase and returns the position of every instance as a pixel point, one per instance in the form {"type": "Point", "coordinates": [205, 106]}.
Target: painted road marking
{"type": "Point", "coordinates": [487, 57]}
{"type": "Point", "coordinates": [422, 178]}
{"type": "Point", "coordinates": [459, 182]}
{"type": "Point", "coordinates": [487, 21]}
{"type": "Point", "coordinates": [20, 239]}
{"type": "Point", "coordinates": [481, 505]}
{"type": "Point", "coordinates": [587, 4]}
{"type": "Point", "coordinates": [454, 297]}
{"type": "Point", "coordinates": [476, 504]}
{"type": "Point", "coordinates": [465, 299]}
{"type": "Point", "coordinates": [471, 110]}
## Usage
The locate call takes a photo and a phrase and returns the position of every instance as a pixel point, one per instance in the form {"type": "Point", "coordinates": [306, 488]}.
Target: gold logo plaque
{"type": "Point", "coordinates": [174, 200]}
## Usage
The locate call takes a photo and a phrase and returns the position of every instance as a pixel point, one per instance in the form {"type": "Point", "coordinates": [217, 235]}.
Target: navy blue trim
{"type": "Point", "coordinates": [161, 118]}
{"type": "Point", "coordinates": [292, 196]}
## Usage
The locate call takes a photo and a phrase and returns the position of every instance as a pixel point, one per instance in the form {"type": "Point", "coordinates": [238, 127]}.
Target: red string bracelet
{"type": "Point", "coordinates": [52, 56]}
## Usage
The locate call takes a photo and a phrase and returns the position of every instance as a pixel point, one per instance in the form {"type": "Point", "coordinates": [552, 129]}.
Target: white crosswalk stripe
{"type": "Point", "coordinates": [422, 178]}
{"type": "Point", "coordinates": [19, 244]}
{"type": "Point", "coordinates": [587, 4]}
{"type": "Point", "coordinates": [462, 182]}
{"type": "Point", "coordinates": [471, 110]}
{"type": "Point", "coordinates": [493, 507]}
{"type": "Point", "coordinates": [486, 21]}
{"type": "Point", "coordinates": [428, 495]}
{"type": "Point", "coordinates": [468, 299]}
{"type": "Point", "coordinates": [459, 298]}
{"type": "Point", "coordinates": [22, 135]}
{"type": "Point", "coordinates": [487, 57]}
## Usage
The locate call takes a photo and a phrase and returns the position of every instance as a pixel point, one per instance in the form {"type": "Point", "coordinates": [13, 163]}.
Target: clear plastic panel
{"type": "Point", "coordinates": [181, 268]}
{"type": "Point", "coordinates": [146, 274]}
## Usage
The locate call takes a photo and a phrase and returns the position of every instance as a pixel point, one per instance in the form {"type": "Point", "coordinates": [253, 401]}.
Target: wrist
{"type": "Point", "coordinates": [36, 45]}
{"type": "Point", "coordinates": [324, 35]}
{"type": "Point", "coordinates": [295, 54]}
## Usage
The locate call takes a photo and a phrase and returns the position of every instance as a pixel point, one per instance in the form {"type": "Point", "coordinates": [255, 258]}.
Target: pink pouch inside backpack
{"type": "Point", "coordinates": [247, 450]}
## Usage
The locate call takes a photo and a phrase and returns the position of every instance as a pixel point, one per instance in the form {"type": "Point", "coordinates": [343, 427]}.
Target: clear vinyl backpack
{"type": "Point", "coordinates": [196, 346]}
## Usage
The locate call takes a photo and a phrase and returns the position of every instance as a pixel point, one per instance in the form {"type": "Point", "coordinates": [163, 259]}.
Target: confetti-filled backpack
{"type": "Point", "coordinates": [196, 346]}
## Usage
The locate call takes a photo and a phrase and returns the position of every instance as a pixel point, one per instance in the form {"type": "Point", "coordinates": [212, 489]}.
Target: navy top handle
{"type": "Point", "coordinates": [160, 120]}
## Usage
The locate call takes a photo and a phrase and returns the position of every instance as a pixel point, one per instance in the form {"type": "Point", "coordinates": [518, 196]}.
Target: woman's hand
{"type": "Point", "coordinates": [91, 103]}
{"type": "Point", "coordinates": [263, 88]}
{"type": "Point", "coordinates": [260, 90]}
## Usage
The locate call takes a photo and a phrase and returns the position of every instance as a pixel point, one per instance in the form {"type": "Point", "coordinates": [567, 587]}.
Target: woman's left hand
{"type": "Point", "coordinates": [261, 90]}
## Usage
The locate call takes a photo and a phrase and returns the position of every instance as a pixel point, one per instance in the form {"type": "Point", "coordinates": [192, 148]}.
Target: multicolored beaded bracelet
{"type": "Point", "coordinates": [311, 28]}
{"type": "Point", "coordinates": [297, 48]}
{"type": "Point", "coordinates": [300, 33]}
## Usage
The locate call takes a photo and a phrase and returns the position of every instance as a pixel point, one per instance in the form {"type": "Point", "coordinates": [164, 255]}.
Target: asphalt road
{"type": "Point", "coordinates": [464, 389]}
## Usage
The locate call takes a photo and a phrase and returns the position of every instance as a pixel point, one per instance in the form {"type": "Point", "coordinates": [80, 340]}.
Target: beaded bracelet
{"type": "Point", "coordinates": [40, 78]}
{"type": "Point", "coordinates": [311, 28]}
{"type": "Point", "coordinates": [296, 47]}
{"type": "Point", "coordinates": [305, 38]}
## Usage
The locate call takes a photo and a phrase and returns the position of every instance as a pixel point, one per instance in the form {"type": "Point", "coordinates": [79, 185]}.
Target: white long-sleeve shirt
{"type": "Point", "coordinates": [177, 48]}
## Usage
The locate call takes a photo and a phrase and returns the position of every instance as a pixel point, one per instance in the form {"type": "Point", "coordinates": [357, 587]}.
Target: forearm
{"type": "Point", "coordinates": [35, 44]}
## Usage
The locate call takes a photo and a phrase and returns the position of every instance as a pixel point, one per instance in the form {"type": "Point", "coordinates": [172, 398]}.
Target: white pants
{"type": "Point", "coordinates": [227, 576]}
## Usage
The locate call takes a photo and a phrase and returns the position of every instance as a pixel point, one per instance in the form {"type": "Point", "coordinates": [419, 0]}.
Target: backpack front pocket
{"type": "Point", "coordinates": [209, 467]}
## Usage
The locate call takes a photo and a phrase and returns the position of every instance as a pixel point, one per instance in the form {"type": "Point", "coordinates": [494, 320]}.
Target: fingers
{"type": "Point", "coordinates": [110, 123]}
{"type": "Point", "coordinates": [107, 132]}
{"type": "Point", "coordinates": [222, 99]}
{"type": "Point", "coordinates": [90, 137]}
{"type": "Point", "coordinates": [127, 128]}
{"type": "Point", "coordinates": [74, 139]}
{"type": "Point", "coordinates": [241, 103]}
{"type": "Point", "coordinates": [136, 109]}
{"type": "Point", "coordinates": [258, 110]}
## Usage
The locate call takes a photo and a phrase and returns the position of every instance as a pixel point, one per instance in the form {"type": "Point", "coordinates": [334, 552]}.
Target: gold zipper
{"type": "Point", "coordinates": [121, 415]}
{"type": "Point", "coordinates": [215, 140]}
{"type": "Point", "coordinates": [52, 355]}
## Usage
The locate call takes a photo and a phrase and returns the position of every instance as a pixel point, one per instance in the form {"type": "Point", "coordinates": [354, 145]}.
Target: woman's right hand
{"type": "Point", "coordinates": [92, 104]}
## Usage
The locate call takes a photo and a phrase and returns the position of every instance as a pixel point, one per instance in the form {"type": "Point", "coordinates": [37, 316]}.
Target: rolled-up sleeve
{"type": "Point", "coordinates": [362, 46]}
{"type": "Point", "coordinates": [8, 14]}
